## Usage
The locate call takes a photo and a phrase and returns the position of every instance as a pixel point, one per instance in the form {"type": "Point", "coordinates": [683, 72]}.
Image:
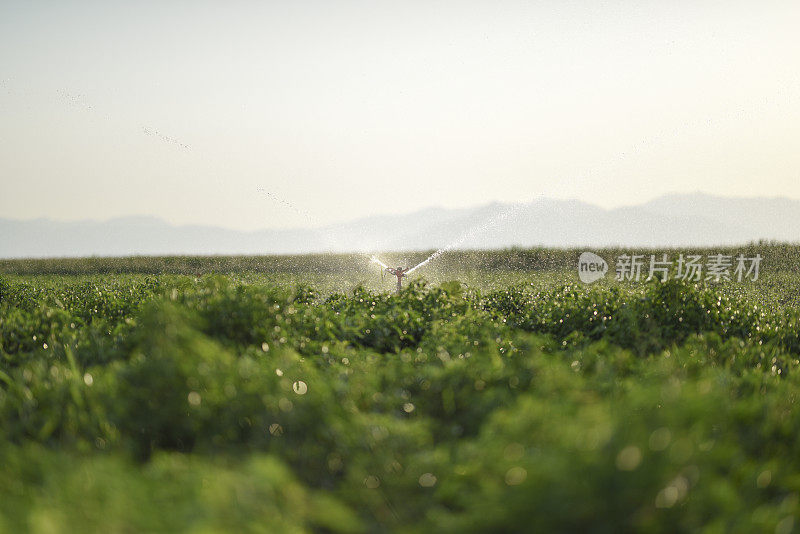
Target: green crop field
{"type": "Point", "coordinates": [495, 393]}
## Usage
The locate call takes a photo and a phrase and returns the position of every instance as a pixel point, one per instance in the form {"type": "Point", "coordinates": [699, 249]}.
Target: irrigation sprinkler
{"type": "Point", "coordinates": [491, 222]}
{"type": "Point", "coordinates": [399, 273]}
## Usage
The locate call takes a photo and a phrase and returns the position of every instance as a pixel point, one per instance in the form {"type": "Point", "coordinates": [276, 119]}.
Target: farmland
{"type": "Point", "coordinates": [494, 393]}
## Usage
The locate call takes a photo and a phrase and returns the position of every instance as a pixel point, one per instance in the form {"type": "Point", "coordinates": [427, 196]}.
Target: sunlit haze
{"type": "Point", "coordinates": [252, 115]}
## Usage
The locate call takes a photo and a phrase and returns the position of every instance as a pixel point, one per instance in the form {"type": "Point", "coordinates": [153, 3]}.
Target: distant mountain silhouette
{"type": "Point", "coordinates": [673, 220]}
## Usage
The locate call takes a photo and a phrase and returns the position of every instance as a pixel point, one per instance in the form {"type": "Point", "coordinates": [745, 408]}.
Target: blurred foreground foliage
{"type": "Point", "coordinates": [208, 404]}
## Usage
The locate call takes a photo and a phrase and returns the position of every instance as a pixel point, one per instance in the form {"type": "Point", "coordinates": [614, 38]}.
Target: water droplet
{"type": "Point", "coordinates": [629, 458]}
{"type": "Point", "coordinates": [300, 387]}
{"type": "Point", "coordinates": [427, 480]}
{"type": "Point", "coordinates": [516, 476]}
{"type": "Point", "coordinates": [513, 452]}
{"type": "Point", "coordinates": [285, 404]}
{"type": "Point", "coordinates": [667, 497]}
{"type": "Point", "coordinates": [660, 438]}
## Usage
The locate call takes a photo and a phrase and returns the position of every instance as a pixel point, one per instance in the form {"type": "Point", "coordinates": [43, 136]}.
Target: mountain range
{"type": "Point", "coordinates": [676, 220]}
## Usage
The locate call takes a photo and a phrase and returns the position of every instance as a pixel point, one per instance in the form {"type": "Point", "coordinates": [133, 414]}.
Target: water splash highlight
{"type": "Point", "coordinates": [492, 222]}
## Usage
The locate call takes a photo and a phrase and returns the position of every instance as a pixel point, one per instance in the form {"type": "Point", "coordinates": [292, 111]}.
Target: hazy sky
{"type": "Point", "coordinates": [184, 110]}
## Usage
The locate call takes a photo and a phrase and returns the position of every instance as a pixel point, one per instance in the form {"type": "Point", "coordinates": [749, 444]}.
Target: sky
{"type": "Point", "coordinates": [252, 115]}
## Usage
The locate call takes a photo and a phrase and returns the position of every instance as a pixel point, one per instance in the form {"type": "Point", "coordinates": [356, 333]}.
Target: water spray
{"type": "Point", "coordinates": [493, 221]}
{"type": "Point", "coordinates": [399, 272]}
{"type": "Point", "coordinates": [379, 262]}
{"type": "Point", "coordinates": [275, 198]}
